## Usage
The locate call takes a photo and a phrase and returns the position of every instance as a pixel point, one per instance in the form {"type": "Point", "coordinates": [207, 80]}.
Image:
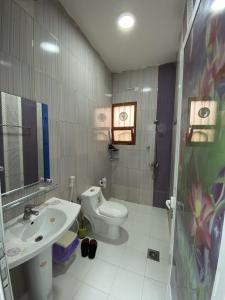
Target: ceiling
{"type": "Point", "coordinates": [153, 41]}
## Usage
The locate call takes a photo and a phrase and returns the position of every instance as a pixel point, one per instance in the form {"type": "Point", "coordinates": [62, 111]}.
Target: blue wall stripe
{"type": "Point", "coordinates": [45, 141]}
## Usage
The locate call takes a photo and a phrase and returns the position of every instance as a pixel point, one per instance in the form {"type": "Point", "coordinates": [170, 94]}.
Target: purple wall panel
{"type": "Point", "coordinates": [30, 147]}
{"type": "Point", "coordinates": [165, 109]}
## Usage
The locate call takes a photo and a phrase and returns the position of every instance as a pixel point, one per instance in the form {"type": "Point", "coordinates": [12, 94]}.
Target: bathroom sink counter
{"type": "Point", "coordinates": [26, 239]}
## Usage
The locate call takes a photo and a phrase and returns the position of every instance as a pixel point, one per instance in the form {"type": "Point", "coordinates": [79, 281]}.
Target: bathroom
{"type": "Point", "coordinates": [112, 142]}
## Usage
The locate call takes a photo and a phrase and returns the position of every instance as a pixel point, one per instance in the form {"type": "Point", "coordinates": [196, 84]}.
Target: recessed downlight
{"type": "Point", "coordinates": [218, 5]}
{"type": "Point", "coordinates": [147, 89]}
{"type": "Point", "coordinates": [49, 47]}
{"type": "Point", "coordinates": [126, 21]}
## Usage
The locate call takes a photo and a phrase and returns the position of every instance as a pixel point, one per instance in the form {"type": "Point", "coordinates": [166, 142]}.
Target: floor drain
{"type": "Point", "coordinates": [153, 254]}
{"type": "Point", "coordinates": [39, 238]}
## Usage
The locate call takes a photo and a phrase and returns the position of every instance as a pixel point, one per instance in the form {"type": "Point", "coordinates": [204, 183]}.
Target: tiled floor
{"type": "Point", "coordinates": [121, 272]}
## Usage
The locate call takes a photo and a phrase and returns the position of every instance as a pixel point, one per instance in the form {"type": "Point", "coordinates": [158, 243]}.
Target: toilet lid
{"type": "Point", "coordinates": [112, 209]}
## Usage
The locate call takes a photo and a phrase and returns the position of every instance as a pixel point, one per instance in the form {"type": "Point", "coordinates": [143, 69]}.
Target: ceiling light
{"type": "Point", "coordinates": [146, 89]}
{"type": "Point", "coordinates": [50, 47]}
{"type": "Point", "coordinates": [218, 5]}
{"type": "Point", "coordinates": [126, 21]}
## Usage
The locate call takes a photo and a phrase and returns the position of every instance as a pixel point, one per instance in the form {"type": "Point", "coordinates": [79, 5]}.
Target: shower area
{"type": "Point", "coordinates": [142, 172]}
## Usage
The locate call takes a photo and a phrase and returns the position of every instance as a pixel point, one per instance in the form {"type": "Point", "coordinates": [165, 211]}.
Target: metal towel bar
{"type": "Point", "coordinates": [21, 200]}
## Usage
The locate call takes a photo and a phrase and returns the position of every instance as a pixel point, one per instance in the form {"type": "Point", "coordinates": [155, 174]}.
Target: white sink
{"type": "Point", "coordinates": [26, 239]}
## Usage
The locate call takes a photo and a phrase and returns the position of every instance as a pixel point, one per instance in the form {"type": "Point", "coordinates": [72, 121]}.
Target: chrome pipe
{"type": "Point", "coordinates": [21, 188]}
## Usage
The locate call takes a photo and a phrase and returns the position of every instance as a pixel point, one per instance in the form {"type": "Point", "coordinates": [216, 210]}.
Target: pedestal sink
{"type": "Point", "coordinates": [32, 241]}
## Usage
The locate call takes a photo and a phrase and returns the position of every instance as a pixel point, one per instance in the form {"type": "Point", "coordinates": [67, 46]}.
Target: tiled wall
{"type": "Point", "coordinates": [131, 175]}
{"type": "Point", "coordinates": [74, 83]}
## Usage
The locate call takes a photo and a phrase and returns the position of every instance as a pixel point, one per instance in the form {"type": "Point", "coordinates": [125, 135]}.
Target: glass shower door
{"type": "Point", "coordinates": [201, 177]}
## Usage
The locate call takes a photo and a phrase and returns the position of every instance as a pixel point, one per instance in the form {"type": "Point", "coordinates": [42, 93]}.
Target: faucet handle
{"type": "Point", "coordinates": [29, 209]}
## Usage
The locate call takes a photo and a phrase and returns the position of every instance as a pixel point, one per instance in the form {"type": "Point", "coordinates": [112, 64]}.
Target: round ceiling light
{"type": "Point", "coordinates": [126, 21]}
{"type": "Point", "coordinates": [49, 47]}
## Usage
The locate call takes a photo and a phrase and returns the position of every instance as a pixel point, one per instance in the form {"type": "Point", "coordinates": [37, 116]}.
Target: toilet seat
{"type": "Point", "coordinates": [112, 210]}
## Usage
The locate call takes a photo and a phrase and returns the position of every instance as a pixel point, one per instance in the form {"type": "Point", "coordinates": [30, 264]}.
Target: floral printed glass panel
{"type": "Point", "coordinates": [201, 178]}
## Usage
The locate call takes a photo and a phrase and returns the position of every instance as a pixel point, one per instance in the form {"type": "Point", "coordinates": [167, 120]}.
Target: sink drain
{"type": "Point", "coordinates": [39, 238]}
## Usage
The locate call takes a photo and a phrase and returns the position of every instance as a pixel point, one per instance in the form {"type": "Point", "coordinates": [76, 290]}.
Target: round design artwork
{"type": "Point", "coordinates": [123, 116]}
{"type": "Point", "coordinates": [204, 112]}
{"type": "Point", "coordinates": [101, 117]}
{"type": "Point", "coordinates": [13, 252]}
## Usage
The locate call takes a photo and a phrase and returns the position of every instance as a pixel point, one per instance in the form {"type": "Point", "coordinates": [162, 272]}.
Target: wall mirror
{"type": "Point", "coordinates": [24, 142]}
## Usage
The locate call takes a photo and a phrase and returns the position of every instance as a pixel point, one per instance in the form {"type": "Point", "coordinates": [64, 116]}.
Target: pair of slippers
{"type": "Point", "coordinates": [88, 248]}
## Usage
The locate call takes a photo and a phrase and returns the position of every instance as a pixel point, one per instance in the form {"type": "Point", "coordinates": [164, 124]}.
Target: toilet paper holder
{"type": "Point", "coordinates": [103, 182]}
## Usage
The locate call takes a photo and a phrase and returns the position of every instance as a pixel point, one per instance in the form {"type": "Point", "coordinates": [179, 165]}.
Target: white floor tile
{"type": "Point", "coordinates": [157, 270]}
{"type": "Point", "coordinates": [159, 219]}
{"type": "Point", "coordinates": [127, 285]}
{"type": "Point", "coordinates": [110, 253]}
{"type": "Point", "coordinates": [88, 293]}
{"type": "Point", "coordinates": [122, 272]}
{"type": "Point", "coordinates": [160, 232]}
{"type": "Point", "coordinates": [134, 260]}
{"type": "Point", "coordinates": [101, 275]}
{"type": "Point", "coordinates": [153, 290]}
{"type": "Point", "coordinates": [142, 224]}
{"type": "Point", "coordinates": [144, 209]}
{"type": "Point", "coordinates": [65, 287]}
{"type": "Point", "coordinates": [138, 241]}
{"type": "Point", "coordinates": [159, 211]}
{"type": "Point", "coordinates": [80, 267]}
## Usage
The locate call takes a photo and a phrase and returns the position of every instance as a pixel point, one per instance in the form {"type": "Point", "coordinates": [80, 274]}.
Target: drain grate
{"type": "Point", "coordinates": [153, 254]}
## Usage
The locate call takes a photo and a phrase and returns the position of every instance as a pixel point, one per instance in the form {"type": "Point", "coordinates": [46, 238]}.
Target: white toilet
{"type": "Point", "coordinates": [105, 217]}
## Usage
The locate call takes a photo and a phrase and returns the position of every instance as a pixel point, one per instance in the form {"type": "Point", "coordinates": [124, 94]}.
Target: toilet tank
{"type": "Point", "coordinates": [91, 199]}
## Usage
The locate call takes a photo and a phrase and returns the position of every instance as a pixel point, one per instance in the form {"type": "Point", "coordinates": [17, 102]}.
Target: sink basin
{"type": "Point", "coordinates": [47, 224]}
{"type": "Point", "coordinates": [26, 239]}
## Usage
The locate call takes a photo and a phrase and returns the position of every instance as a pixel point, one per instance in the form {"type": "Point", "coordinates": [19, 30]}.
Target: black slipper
{"type": "Point", "coordinates": [85, 247]}
{"type": "Point", "coordinates": [92, 249]}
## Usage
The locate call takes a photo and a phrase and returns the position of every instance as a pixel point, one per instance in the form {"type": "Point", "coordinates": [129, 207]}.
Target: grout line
{"type": "Point", "coordinates": [95, 288]}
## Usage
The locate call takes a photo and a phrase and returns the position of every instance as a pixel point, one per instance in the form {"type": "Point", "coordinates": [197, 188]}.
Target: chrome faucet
{"type": "Point", "coordinates": [28, 211]}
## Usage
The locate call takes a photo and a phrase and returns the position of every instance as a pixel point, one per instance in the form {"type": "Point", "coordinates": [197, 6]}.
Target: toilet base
{"type": "Point", "coordinates": [109, 231]}
{"type": "Point", "coordinates": [114, 232]}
